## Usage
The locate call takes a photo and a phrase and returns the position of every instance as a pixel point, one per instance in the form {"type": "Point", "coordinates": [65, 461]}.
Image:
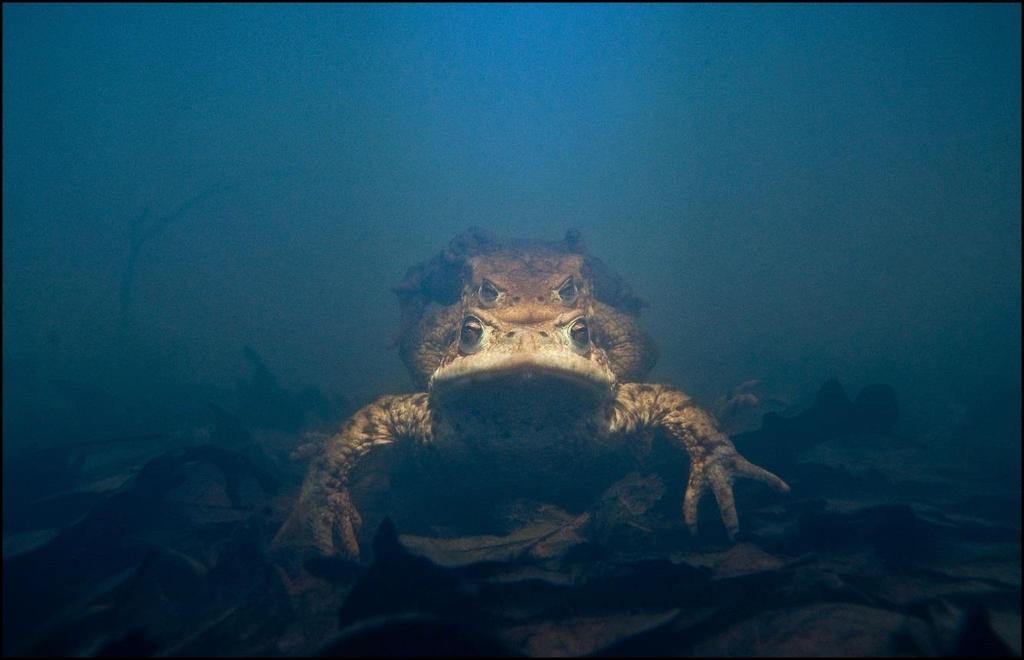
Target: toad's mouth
{"type": "Point", "coordinates": [522, 371]}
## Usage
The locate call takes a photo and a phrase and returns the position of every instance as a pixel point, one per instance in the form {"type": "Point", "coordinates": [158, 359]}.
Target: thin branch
{"type": "Point", "coordinates": [139, 233]}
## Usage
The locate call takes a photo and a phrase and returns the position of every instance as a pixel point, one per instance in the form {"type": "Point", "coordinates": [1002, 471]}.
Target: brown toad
{"type": "Point", "coordinates": [526, 360]}
{"type": "Point", "coordinates": [431, 294]}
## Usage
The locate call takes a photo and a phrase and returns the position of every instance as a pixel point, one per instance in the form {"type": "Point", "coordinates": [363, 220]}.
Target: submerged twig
{"type": "Point", "coordinates": [139, 233]}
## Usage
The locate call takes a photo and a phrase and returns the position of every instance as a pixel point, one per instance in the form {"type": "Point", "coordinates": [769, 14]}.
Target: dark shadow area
{"type": "Point", "coordinates": [174, 559]}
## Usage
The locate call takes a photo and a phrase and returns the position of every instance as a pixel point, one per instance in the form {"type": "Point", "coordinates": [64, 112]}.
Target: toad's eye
{"type": "Point", "coordinates": [488, 293]}
{"type": "Point", "coordinates": [579, 333]}
{"type": "Point", "coordinates": [472, 332]}
{"type": "Point", "coordinates": [568, 291]}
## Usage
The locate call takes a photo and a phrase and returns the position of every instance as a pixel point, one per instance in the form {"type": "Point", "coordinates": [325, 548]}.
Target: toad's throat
{"type": "Point", "coordinates": [522, 374]}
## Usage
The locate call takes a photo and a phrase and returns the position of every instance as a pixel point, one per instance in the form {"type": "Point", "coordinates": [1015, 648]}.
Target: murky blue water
{"type": "Point", "coordinates": [205, 209]}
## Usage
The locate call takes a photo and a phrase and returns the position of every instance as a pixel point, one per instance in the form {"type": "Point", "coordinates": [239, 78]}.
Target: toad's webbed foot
{"type": "Point", "coordinates": [718, 470]}
{"type": "Point", "coordinates": [714, 461]}
{"type": "Point", "coordinates": [324, 521]}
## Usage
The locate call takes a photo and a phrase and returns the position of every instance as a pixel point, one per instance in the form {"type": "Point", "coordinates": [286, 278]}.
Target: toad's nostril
{"type": "Point", "coordinates": [540, 298]}
{"type": "Point", "coordinates": [510, 333]}
{"type": "Point", "coordinates": [515, 298]}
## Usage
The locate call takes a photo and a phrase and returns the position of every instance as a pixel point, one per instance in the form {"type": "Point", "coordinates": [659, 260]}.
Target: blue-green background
{"type": "Point", "coordinates": [798, 191]}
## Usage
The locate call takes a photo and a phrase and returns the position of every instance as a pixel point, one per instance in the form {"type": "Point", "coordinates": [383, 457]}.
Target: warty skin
{"type": "Point", "coordinates": [520, 323]}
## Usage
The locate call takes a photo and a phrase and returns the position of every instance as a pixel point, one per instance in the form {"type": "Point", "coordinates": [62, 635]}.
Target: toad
{"type": "Point", "coordinates": [527, 351]}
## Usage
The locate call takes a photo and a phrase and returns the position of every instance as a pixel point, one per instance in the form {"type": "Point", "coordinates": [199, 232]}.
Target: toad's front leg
{"type": "Point", "coordinates": [324, 521]}
{"type": "Point", "coordinates": [714, 461]}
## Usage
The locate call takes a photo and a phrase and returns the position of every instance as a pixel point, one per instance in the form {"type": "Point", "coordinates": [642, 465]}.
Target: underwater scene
{"type": "Point", "coordinates": [511, 330]}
